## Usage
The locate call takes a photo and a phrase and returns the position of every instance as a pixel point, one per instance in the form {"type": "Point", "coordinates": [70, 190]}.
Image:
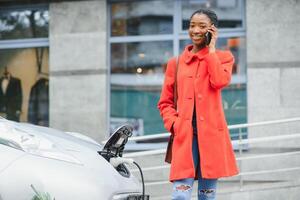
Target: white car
{"type": "Point", "coordinates": [39, 163]}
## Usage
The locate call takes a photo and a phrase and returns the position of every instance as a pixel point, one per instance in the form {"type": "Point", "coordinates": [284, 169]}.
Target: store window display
{"type": "Point", "coordinates": [38, 110]}
{"type": "Point", "coordinates": [24, 93]}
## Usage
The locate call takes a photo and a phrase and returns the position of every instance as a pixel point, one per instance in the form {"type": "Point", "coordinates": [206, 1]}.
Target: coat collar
{"type": "Point", "coordinates": [188, 56]}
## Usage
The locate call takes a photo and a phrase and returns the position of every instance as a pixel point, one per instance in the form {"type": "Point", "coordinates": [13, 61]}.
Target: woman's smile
{"type": "Point", "coordinates": [197, 37]}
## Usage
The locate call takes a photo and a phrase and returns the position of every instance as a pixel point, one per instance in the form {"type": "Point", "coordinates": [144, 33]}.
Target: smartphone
{"type": "Point", "coordinates": [207, 38]}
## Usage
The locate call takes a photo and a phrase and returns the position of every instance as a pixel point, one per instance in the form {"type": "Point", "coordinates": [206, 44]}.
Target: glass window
{"type": "Point", "coordinates": [137, 18]}
{"type": "Point", "coordinates": [27, 23]}
{"type": "Point", "coordinates": [235, 107]}
{"type": "Point", "coordinates": [137, 76]}
{"type": "Point", "coordinates": [140, 57]}
{"type": "Point", "coordinates": [230, 12]}
{"type": "Point", "coordinates": [24, 82]}
{"type": "Point", "coordinates": [137, 68]}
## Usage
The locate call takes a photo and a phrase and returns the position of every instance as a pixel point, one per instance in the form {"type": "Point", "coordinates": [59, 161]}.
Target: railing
{"type": "Point", "coordinates": [240, 143]}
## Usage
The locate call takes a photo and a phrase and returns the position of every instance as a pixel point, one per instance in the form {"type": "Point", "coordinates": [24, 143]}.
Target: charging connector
{"type": "Point", "coordinates": [116, 161]}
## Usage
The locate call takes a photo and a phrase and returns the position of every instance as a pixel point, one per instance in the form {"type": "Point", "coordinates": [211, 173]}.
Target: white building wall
{"type": "Point", "coordinates": [78, 67]}
{"type": "Point", "coordinates": [273, 49]}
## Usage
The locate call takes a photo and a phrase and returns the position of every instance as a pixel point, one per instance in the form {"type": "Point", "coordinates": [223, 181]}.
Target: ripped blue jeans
{"type": "Point", "coordinates": [182, 189]}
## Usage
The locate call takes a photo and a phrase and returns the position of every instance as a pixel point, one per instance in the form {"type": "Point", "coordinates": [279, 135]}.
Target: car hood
{"type": "Point", "coordinates": [52, 159]}
{"type": "Point", "coordinates": [47, 142]}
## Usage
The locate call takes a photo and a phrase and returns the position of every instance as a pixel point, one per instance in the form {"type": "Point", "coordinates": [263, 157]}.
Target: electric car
{"type": "Point", "coordinates": [46, 164]}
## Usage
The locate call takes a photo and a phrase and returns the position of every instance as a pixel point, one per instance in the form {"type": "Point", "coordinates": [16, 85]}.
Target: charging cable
{"type": "Point", "coordinates": [142, 177]}
{"type": "Point", "coordinates": [116, 161]}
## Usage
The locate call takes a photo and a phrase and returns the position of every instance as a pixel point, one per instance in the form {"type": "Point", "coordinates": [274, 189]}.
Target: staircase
{"type": "Point", "coordinates": [269, 168]}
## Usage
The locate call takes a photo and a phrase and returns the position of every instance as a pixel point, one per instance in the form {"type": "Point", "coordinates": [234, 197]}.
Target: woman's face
{"type": "Point", "coordinates": [199, 25]}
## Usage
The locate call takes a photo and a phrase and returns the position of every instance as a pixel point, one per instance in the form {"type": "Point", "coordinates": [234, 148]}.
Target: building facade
{"type": "Point", "coordinates": [89, 66]}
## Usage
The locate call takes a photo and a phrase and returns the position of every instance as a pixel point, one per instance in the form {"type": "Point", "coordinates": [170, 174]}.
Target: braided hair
{"type": "Point", "coordinates": [209, 13]}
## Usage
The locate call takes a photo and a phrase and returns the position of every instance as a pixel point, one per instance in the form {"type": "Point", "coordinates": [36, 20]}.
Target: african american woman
{"type": "Point", "coordinates": [202, 148]}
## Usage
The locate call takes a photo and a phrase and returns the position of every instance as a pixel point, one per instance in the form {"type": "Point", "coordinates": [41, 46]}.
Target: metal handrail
{"type": "Point", "coordinates": [241, 174]}
{"type": "Point", "coordinates": [242, 158]}
{"type": "Point", "coordinates": [230, 127]}
{"type": "Point", "coordinates": [238, 142]}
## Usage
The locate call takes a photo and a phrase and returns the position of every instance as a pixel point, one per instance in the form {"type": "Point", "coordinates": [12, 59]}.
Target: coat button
{"type": "Point", "coordinates": [201, 118]}
{"type": "Point", "coordinates": [199, 96]}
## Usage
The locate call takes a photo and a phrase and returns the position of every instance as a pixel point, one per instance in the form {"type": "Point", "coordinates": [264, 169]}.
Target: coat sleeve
{"type": "Point", "coordinates": [219, 68]}
{"type": "Point", "coordinates": [166, 104]}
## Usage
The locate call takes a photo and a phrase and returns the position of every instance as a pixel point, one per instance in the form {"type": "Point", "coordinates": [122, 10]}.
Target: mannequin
{"type": "Point", "coordinates": [5, 81]}
{"type": "Point", "coordinates": [38, 110]}
{"type": "Point", "coordinates": [10, 96]}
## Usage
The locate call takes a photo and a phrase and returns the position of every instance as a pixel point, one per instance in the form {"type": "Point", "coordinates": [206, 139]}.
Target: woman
{"type": "Point", "coordinates": [202, 148]}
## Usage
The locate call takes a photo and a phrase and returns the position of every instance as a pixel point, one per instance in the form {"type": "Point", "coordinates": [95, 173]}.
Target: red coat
{"type": "Point", "coordinates": [199, 81]}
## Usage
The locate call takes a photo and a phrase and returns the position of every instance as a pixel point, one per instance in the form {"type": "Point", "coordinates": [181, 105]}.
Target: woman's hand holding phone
{"type": "Point", "coordinates": [214, 36]}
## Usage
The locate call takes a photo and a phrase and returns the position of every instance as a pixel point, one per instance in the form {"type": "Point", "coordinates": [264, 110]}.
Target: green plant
{"type": "Point", "coordinates": [40, 195]}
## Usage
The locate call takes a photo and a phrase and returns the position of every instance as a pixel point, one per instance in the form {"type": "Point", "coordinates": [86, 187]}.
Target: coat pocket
{"type": "Point", "coordinates": [222, 122]}
{"type": "Point", "coordinates": [175, 125]}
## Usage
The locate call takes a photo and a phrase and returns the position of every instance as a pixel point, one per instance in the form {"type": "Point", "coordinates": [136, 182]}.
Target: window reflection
{"type": "Point", "coordinates": [136, 79]}
{"type": "Point", "coordinates": [138, 18]}
{"type": "Point", "coordinates": [24, 24]}
{"type": "Point", "coordinates": [140, 57]}
{"type": "Point", "coordinates": [234, 99]}
{"type": "Point", "coordinates": [229, 11]}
